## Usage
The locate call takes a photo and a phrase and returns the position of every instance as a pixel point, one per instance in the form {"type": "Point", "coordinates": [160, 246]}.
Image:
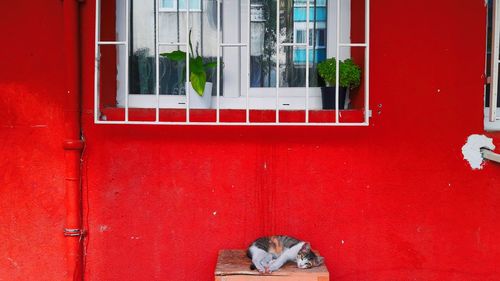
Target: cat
{"type": "Point", "coordinates": [269, 254]}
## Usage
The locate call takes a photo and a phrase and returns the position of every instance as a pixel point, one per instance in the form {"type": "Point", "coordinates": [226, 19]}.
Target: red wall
{"type": "Point", "coordinates": [31, 133]}
{"type": "Point", "coordinates": [394, 201]}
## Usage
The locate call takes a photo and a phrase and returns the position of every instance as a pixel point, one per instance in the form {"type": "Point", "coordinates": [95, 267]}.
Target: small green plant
{"type": "Point", "coordinates": [349, 75]}
{"type": "Point", "coordinates": [197, 68]}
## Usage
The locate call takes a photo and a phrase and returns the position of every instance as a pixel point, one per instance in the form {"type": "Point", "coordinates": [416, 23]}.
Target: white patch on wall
{"type": "Point", "coordinates": [472, 149]}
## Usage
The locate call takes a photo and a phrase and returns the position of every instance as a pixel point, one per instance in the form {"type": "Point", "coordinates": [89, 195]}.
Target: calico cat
{"type": "Point", "coordinates": [268, 254]}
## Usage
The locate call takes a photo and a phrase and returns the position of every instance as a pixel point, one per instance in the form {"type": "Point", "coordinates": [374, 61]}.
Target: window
{"type": "Point", "coordinates": [492, 98]}
{"type": "Point", "coordinates": [267, 52]}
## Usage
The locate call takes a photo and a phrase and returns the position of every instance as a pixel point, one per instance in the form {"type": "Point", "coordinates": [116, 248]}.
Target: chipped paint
{"type": "Point", "coordinates": [103, 228]}
{"type": "Point", "coordinates": [471, 149]}
{"type": "Point", "coordinates": [13, 262]}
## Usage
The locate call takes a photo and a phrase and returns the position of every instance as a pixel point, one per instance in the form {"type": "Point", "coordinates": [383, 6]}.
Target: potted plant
{"type": "Point", "coordinates": [349, 78]}
{"type": "Point", "coordinates": [200, 91]}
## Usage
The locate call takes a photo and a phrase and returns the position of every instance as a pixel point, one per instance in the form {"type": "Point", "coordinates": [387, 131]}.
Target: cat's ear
{"type": "Point", "coordinates": [319, 261]}
{"type": "Point", "coordinates": [306, 248]}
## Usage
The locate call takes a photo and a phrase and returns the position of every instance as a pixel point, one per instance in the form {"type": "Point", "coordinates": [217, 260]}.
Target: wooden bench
{"type": "Point", "coordinates": [234, 265]}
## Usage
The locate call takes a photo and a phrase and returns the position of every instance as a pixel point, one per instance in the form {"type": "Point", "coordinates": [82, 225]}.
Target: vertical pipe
{"type": "Point", "coordinates": [72, 144]}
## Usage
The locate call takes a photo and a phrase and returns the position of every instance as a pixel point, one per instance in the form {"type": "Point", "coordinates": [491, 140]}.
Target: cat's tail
{"type": "Point", "coordinates": [252, 267]}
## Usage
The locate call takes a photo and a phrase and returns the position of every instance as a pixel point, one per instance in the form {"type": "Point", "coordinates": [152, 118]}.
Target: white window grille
{"type": "Point", "coordinates": [238, 45]}
{"type": "Point", "coordinates": [492, 110]}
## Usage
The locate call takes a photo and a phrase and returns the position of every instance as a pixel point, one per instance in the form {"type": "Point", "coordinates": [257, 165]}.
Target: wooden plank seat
{"type": "Point", "coordinates": [234, 265]}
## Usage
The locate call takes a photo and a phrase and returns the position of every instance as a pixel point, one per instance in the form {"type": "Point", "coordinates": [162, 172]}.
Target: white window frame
{"type": "Point", "coordinates": [249, 101]}
{"type": "Point", "coordinates": [492, 113]}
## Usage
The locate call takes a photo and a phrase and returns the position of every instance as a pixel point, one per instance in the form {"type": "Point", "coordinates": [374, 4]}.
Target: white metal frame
{"type": "Point", "coordinates": [277, 108]}
{"type": "Point", "coordinates": [492, 114]}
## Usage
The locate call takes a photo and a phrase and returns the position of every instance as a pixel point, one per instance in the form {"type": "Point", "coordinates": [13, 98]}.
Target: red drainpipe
{"type": "Point", "coordinates": [73, 143]}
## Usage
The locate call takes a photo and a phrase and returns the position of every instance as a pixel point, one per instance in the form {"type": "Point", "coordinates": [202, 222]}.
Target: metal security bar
{"type": "Point", "coordinates": [495, 61]}
{"type": "Point", "coordinates": [98, 119]}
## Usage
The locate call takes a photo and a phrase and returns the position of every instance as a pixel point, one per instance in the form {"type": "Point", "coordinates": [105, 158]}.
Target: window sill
{"type": "Point", "coordinates": [232, 115]}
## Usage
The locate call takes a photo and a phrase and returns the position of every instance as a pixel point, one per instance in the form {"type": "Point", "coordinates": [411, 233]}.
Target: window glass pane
{"type": "Point", "coordinates": [321, 38]}
{"type": "Point", "coordinates": [142, 59]}
{"type": "Point", "coordinates": [301, 37]}
{"type": "Point", "coordinates": [193, 4]}
{"type": "Point", "coordinates": [292, 18]}
{"type": "Point", "coordinates": [321, 3]}
{"type": "Point", "coordinates": [167, 4]}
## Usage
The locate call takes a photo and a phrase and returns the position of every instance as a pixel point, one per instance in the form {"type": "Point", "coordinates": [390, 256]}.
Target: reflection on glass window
{"type": "Point", "coordinates": [172, 5]}
{"type": "Point", "coordinates": [293, 26]}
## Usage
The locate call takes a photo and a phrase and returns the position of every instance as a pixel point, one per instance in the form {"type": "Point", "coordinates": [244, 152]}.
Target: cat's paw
{"type": "Point", "coordinates": [273, 266]}
{"type": "Point", "coordinates": [260, 268]}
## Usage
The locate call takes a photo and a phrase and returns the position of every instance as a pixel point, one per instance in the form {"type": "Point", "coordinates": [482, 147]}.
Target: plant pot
{"type": "Point", "coordinates": [203, 102]}
{"type": "Point", "coordinates": [328, 97]}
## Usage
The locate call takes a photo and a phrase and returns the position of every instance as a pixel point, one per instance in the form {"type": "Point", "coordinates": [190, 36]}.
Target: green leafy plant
{"type": "Point", "coordinates": [197, 68]}
{"type": "Point", "coordinates": [349, 75]}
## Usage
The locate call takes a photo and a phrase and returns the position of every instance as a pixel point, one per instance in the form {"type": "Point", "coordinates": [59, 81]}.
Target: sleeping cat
{"type": "Point", "coordinates": [268, 254]}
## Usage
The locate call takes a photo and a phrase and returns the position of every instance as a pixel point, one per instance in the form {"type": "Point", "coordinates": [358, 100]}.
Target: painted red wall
{"type": "Point", "coordinates": [394, 201]}
{"type": "Point", "coordinates": [31, 133]}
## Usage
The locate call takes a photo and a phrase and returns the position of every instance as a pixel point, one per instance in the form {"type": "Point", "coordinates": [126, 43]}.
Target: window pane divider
{"type": "Point", "coordinates": [187, 63]}
{"type": "Point", "coordinates": [337, 66]}
{"type": "Point", "coordinates": [96, 60]}
{"type": "Point", "coordinates": [126, 61]}
{"type": "Point", "coordinates": [278, 46]}
{"type": "Point", "coordinates": [307, 59]}
{"type": "Point", "coordinates": [495, 62]}
{"type": "Point", "coordinates": [171, 43]}
{"type": "Point", "coordinates": [296, 44]}
{"type": "Point", "coordinates": [233, 44]}
{"type": "Point", "coordinates": [157, 59]}
{"type": "Point", "coordinates": [112, 43]}
{"type": "Point", "coordinates": [247, 97]}
{"type": "Point", "coordinates": [367, 62]}
{"type": "Point", "coordinates": [219, 45]}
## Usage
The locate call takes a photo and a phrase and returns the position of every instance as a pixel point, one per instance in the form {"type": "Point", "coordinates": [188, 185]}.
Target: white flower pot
{"type": "Point", "coordinates": [203, 102]}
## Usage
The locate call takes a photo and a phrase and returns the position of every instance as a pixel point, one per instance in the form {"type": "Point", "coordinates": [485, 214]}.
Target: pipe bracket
{"type": "Point", "coordinates": [73, 144]}
{"type": "Point", "coordinates": [74, 232]}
